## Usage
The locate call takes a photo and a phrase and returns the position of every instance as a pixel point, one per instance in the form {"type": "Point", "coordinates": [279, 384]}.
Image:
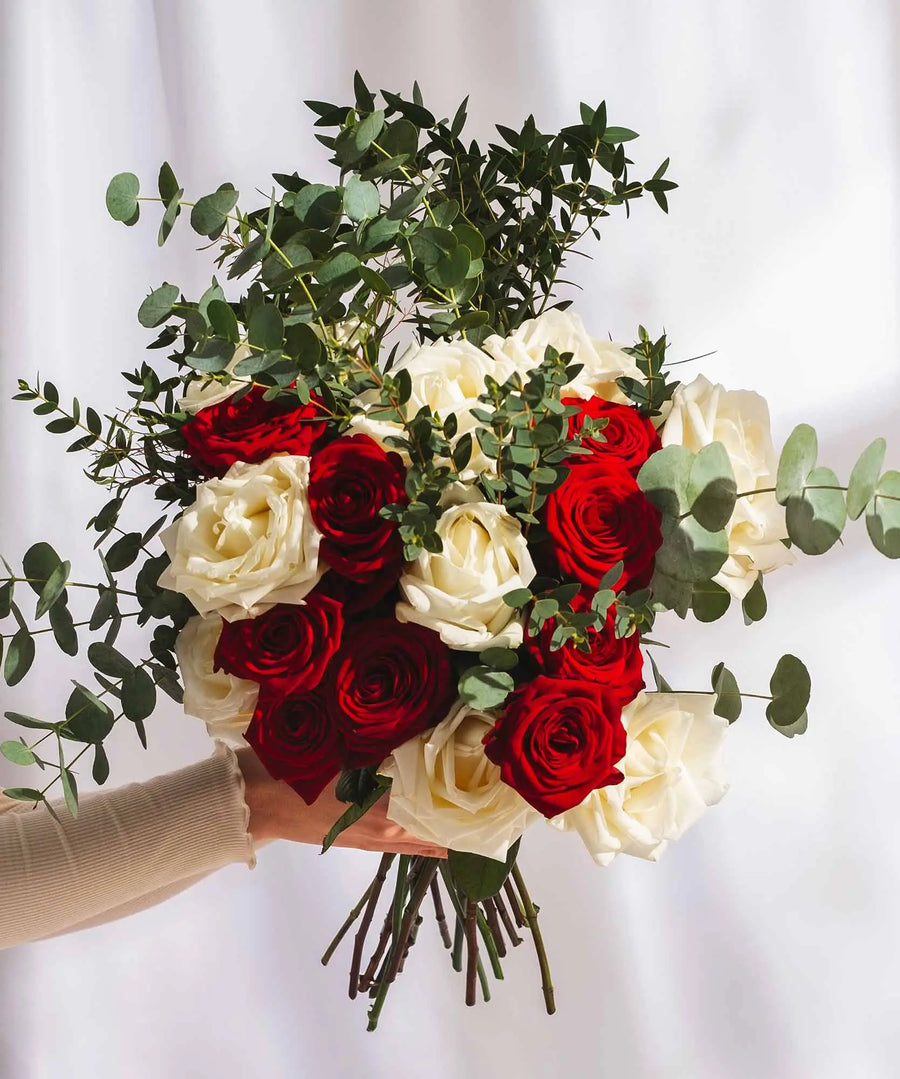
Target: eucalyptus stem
{"type": "Point", "coordinates": [531, 917]}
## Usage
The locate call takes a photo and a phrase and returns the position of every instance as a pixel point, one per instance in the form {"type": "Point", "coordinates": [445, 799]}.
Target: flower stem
{"type": "Point", "coordinates": [372, 902]}
{"type": "Point", "coordinates": [531, 917]}
{"type": "Point", "coordinates": [351, 918]}
{"type": "Point", "coordinates": [471, 952]}
{"type": "Point", "coordinates": [439, 914]}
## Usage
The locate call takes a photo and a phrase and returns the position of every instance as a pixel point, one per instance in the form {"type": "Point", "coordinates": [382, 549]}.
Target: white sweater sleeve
{"type": "Point", "coordinates": [128, 849]}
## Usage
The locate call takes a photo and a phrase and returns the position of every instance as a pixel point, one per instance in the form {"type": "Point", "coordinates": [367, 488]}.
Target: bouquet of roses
{"type": "Point", "coordinates": [427, 572]}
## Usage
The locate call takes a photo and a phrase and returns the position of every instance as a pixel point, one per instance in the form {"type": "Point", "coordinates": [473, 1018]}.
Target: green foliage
{"type": "Point", "coordinates": [356, 811]}
{"type": "Point", "coordinates": [864, 478]}
{"type": "Point", "coordinates": [790, 687]}
{"type": "Point", "coordinates": [883, 515]}
{"type": "Point", "coordinates": [477, 877]}
{"type": "Point", "coordinates": [122, 196]}
{"type": "Point", "coordinates": [728, 696]}
{"type": "Point", "coordinates": [485, 687]}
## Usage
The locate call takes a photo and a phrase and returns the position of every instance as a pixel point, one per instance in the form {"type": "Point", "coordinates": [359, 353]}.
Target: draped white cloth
{"type": "Point", "coordinates": [766, 942]}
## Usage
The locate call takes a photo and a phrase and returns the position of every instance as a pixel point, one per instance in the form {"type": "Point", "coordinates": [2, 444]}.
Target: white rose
{"type": "Point", "coordinates": [672, 774]}
{"type": "Point", "coordinates": [459, 591]}
{"type": "Point", "coordinates": [203, 392]}
{"type": "Point", "coordinates": [446, 791]}
{"type": "Point", "coordinates": [224, 702]}
{"type": "Point", "coordinates": [603, 362]}
{"type": "Point", "coordinates": [248, 542]}
{"type": "Point", "coordinates": [703, 413]}
{"type": "Point", "coordinates": [447, 376]}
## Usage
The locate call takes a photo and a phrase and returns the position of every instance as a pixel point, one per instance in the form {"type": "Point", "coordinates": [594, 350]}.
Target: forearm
{"type": "Point", "coordinates": [127, 849]}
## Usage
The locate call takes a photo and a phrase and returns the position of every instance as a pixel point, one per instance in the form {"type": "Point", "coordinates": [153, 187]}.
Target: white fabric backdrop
{"type": "Point", "coordinates": [766, 942]}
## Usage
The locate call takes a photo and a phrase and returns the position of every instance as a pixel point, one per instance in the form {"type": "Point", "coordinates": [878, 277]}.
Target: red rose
{"type": "Point", "coordinates": [629, 436]}
{"type": "Point", "coordinates": [557, 741]}
{"type": "Point", "coordinates": [614, 662]}
{"type": "Point", "coordinates": [251, 429]}
{"type": "Point", "coordinates": [349, 482]}
{"type": "Point", "coordinates": [358, 596]}
{"type": "Point", "coordinates": [296, 740]}
{"type": "Point", "coordinates": [285, 649]}
{"type": "Point", "coordinates": [599, 516]}
{"type": "Point", "coordinates": [389, 681]}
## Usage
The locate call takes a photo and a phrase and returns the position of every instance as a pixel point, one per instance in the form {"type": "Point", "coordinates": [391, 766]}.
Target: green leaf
{"type": "Point", "coordinates": [6, 595]}
{"type": "Point", "coordinates": [755, 604]}
{"type": "Point", "coordinates": [88, 719]}
{"type": "Point", "coordinates": [356, 784]}
{"type": "Point", "coordinates": [664, 479]}
{"type": "Point", "coordinates": [354, 813]}
{"type": "Point", "coordinates": [17, 752]}
{"type": "Point", "coordinates": [69, 786]}
{"type": "Point", "coordinates": [121, 198]}
{"type": "Point", "coordinates": [883, 515]}
{"type": "Point", "coordinates": [223, 321]}
{"type": "Point", "coordinates": [451, 270]}
{"type": "Point", "coordinates": [39, 563]}
{"type": "Point", "coordinates": [711, 488]}
{"type": "Point", "coordinates": [614, 135]}
{"type": "Point", "coordinates": [211, 357]}
{"type": "Point", "coordinates": [100, 768]}
{"type": "Point", "coordinates": [689, 551]}
{"type": "Point", "coordinates": [790, 688]}
{"type": "Point", "coordinates": [797, 460]}
{"type": "Point", "coordinates": [815, 518]}
{"type": "Point", "coordinates": [209, 215]}
{"type": "Point", "coordinates": [483, 688]}
{"type": "Point", "coordinates": [24, 794]}
{"type": "Point", "coordinates": [123, 552]}
{"type": "Point", "coordinates": [265, 329]}
{"type": "Point", "coordinates": [480, 878]}
{"type": "Point", "coordinates": [362, 135]}
{"type": "Point", "coordinates": [662, 686]}
{"type": "Point", "coordinates": [53, 589]}
{"type": "Point", "coordinates": [109, 661]}
{"type": "Point", "coordinates": [504, 659]}
{"type": "Point", "coordinates": [29, 721]}
{"type": "Point", "coordinates": [19, 657]}
{"type": "Point", "coordinates": [728, 696]}
{"type": "Point", "coordinates": [864, 478]}
{"type": "Point", "coordinates": [709, 601]}
{"type": "Point", "coordinates": [173, 209]}
{"type": "Point", "coordinates": [338, 266]}
{"type": "Point", "coordinates": [318, 206]}
{"type": "Point", "coordinates": [138, 695]}
{"type": "Point", "coordinates": [361, 199]}
{"type": "Point", "coordinates": [167, 185]}
{"type": "Point", "coordinates": [158, 305]}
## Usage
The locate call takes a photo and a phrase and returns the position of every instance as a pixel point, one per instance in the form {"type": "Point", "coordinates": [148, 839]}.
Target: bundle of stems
{"type": "Point", "coordinates": [495, 921]}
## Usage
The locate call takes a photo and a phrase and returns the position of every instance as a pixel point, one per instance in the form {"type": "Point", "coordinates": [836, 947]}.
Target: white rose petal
{"type": "Point", "coordinates": [702, 413]}
{"type": "Point", "coordinates": [603, 362]}
{"type": "Point", "coordinates": [248, 542]}
{"type": "Point", "coordinates": [202, 392]}
{"type": "Point", "coordinates": [459, 591]}
{"type": "Point", "coordinates": [224, 702]}
{"type": "Point", "coordinates": [448, 377]}
{"type": "Point", "coordinates": [446, 791]}
{"type": "Point", "coordinates": [672, 774]}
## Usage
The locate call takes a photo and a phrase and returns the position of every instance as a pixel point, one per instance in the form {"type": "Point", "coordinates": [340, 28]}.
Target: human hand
{"type": "Point", "coordinates": [278, 812]}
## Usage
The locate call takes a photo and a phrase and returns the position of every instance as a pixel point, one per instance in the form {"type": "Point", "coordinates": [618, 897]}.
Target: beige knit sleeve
{"type": "Point", "coordinates": [128, 849]}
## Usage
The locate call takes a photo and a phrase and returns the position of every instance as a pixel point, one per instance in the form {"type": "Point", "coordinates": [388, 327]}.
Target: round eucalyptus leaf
{"type": "Point", "coordinates": [709, 601]}
{"type": "Point", "coordinates": [864, 478]}
{"type": "Point", "coordinates": [728, 695]}
{"type": "Point", "coordinates": [318, 205]}
{"type": "Point", "coordinates": [755, 604]}
{"type": "Point", "coordinates": [797, 460]}
{"type": "Point", "coordinates": [711, 489]}
{"type": "Point", "coordinates": [690, 552]}
{"type": "Point", "coordinates": [883, 515]}
{"type": "Point", "coordinates": [790, 688]}
{"type": "Point", "coordinates": [815, 517]}
{"type": "Point", "coordinates": [481, 687]}
{"type": "Point", "coordinates": [664, 479]}
{"type": "Point", "coordinates": [157, 307]}
{"type": "Point", "coordinates": [361, 199]}
{"type": "Point", "coordinates": [121, 197]}
{"type": "Point", "coordinates": [210, 213]}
